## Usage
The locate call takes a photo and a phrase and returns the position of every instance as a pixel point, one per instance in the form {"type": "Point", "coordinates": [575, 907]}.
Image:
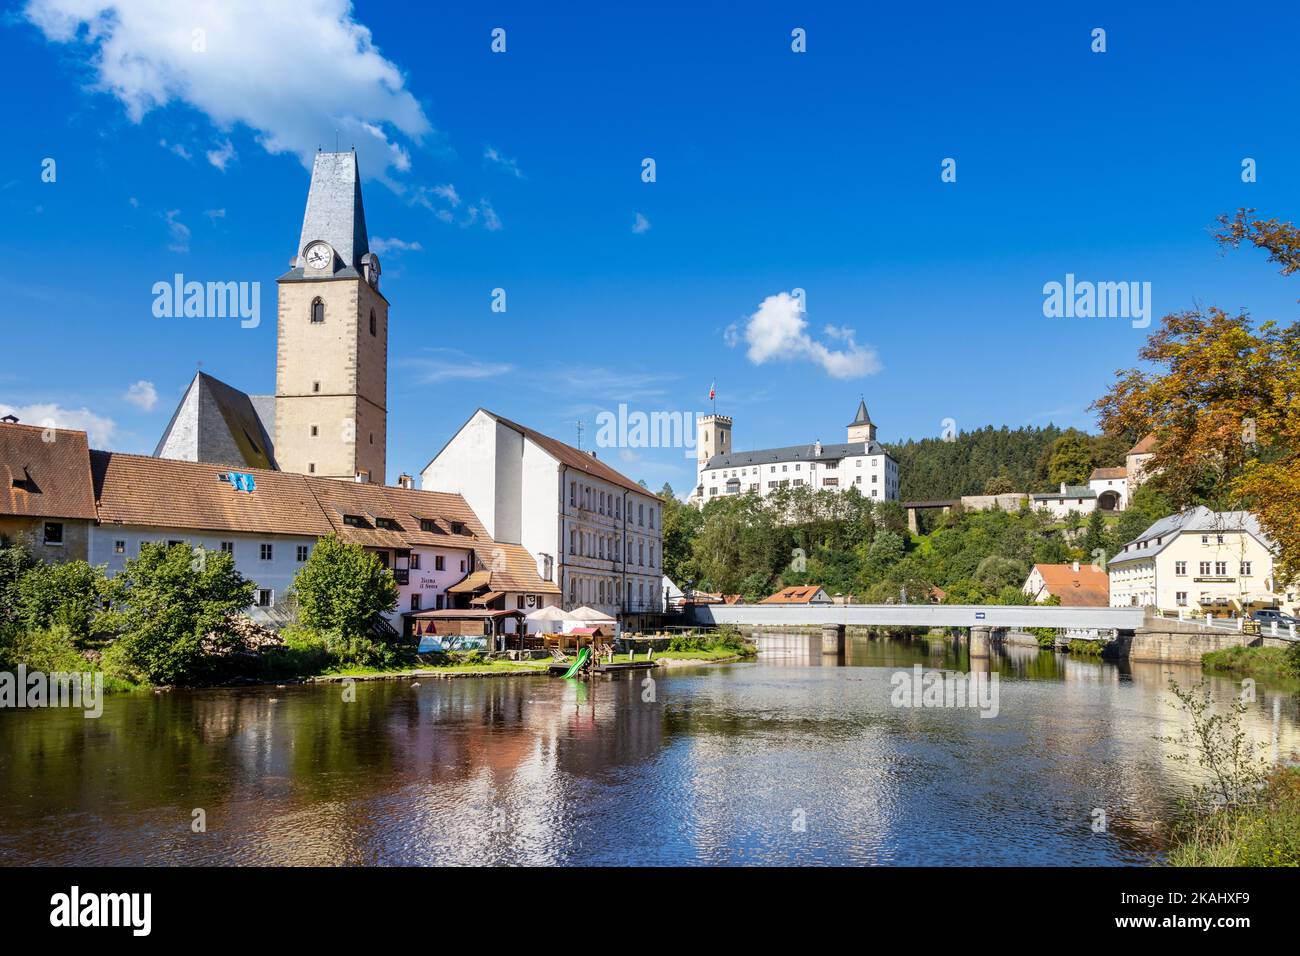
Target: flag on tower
{"type": "Point", "coordinates": [712, 392]}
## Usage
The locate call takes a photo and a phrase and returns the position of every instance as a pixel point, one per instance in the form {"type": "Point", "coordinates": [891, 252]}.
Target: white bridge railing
{"type": "Point", "coordinates": [922, 615]}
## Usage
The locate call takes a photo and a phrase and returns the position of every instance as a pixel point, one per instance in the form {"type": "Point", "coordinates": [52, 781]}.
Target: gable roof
{"type": "Point", "coordinates": [1163, 533]}
{"type": "Point", "coordinates": [808, 452]}
{"type": "Point", "coordinates": [799, 594]}
{"type": "Point", "coordinates": [573, 458]}
{"type": "Point", "coordinates": [1104, 473]}
{"type": "Point", "coordinates": [1086, 587]}
{"type": "Point", "coordinates": [44, 478]}
{"type": "Point", "coordinates": [1144, 447]}
{"type": "Point", "coordinates": [218, 423]}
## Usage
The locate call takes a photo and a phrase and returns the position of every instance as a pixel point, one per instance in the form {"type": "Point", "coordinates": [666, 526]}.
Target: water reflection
{"type": "Point", "coordinates": [793, 759]}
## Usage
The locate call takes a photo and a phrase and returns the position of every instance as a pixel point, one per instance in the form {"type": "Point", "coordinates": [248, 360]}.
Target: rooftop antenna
{"type": "Point", "coordinates": [580, 428]}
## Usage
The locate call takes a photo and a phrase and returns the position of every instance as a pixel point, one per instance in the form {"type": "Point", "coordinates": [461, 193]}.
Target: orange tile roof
{"type": "Point", "coordinates": [44, 473]}
{"type": "Point", "coordinates": [1145, 447]}
{"type": "Point", "coordinates": [800, 594]}
{"type": "Point", "coordinates": [1102, 473]}
{"type": "Point", "coordinates": [1087, 587]}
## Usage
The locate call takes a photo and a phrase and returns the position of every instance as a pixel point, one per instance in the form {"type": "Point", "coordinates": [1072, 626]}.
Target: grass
{"type": "Point", "coordinates": [1276, 664]}
{"type": "Point", "coordinates": [1264, 833]}
{"type": "Point", "coordinates": [705, 654]}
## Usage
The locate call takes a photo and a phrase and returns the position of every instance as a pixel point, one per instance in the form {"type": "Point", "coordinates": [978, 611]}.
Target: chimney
{"type": "Point", "coordinates": [362, 478]}
{"type": "Point", "coordinates": [592, 453]}
{"type": "Point", "coordinates": [405, 481]}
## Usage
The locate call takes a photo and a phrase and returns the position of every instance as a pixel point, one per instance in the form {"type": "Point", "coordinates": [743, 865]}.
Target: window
{"type": "Point", "coordinates": [311, 467]}
{"type": "Point", "coordinates": [119, 547]}
{"type": "Point", "coordinates": [1219, 538]}
{"type": "Point", "coordinates": [438, 562]}
{"type": "Point", "coordinates": [573, 493]}
{"type": "Point", "coordinates": [1245, 569]}
{"type": "Point", "coordinates": [1181, 598]}
{"type": "Point", "coordinates": [267, 552]}
{"type": "Point", "coordinates": [428, 524]}
{"type": "Point", "coordinates": [54, 533]}
{"type": "Point", "coordinates": [1221, 568]}
{"type": "Point", "coordinates": [573, 542]}
{"type": "Point", "coordinates": [315, 430]}
{"type": "Point", "coordinates": [265, 597]}
{"type": "Point", "coordinates": [372, 332]}
{"type": "Point", "coordinates": [228, 547]}
{"type": "Point", "coordinates": [458, 527]}
{"type": "Point", "coordinates": [315, 386]}
{"type": "Point", "coordinates": [1205, 567]}
{"type": "Point", "coordinates": [317, 311]}
{"type": "Point", "coordinates": [354, 521]}
{"type": "Point", "coordinates": [415, 561]}
{"type": "Point", "coordinates": [1180, 568]}
{"type": "Point", "coordinates": [388, 524]}
{"type": "Point", "coordinates": [1205, 539]}
{"type": "Point", "coordinates": [303, 551]}
{"type": "Point", "coordinates": [415, 598]}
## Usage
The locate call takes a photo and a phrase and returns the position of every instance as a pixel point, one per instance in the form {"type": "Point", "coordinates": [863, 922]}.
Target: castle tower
{"type": "Point", "coordinates": [861, 429]}
{"type": "Point", "coordinates": [712, 437]}
{"type": "Point", "coordinates": [331, 373]}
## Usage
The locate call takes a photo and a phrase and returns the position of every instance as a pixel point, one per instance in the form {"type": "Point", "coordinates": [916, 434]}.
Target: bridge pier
{"type": "Point", "coordinates": [833, 640]}
{"type": "Point", "coordinates": [981, 638]}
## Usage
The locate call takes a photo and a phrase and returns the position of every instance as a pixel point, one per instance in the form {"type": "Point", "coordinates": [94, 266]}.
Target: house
{"type": "Point", "coordinates": [1137, 462]}
{"type": "Point", "coordinates": [595, 532]}
{"type": "Point", "coordinates": [47, 501]}
{"type": "Point", "coordinates": [1077, 498]}
{"type": "Point", "coordinates": [861, 463]}
{"type": "Point", "coordinates": [1111, 488]}
{"type": "Point", "coordinates": [1219, 563]}
{"type": "Point", "coordinates": [799, 594]}
{"type": "Point", "coordinates": [1076, 585]}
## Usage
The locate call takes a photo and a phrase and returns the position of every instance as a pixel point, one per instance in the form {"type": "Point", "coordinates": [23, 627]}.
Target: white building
{"type": "Point", "coordinates": [861, 462]}
{"type": "Point", "coordinates": [594, 532]}
{"type": "Point", "coordinates": [1078, 498]}
{"type": "Point", "coordinates": [1214, 562]}
{"type": "Point", "coordinates": [1110, 485]}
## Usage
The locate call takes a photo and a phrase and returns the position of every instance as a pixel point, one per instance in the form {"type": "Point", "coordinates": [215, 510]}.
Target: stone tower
{"type": "Point", "coordinates": [331, 372]}
{"type": "Point", "coordinates": [861, 428]}
{"type": "Point", "coordinates": [712, 437]}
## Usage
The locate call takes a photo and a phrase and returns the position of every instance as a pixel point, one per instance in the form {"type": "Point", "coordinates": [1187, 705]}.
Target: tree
{"type": "Point", "coordinates": [67, 594]}
{"type": "Point", "coordinates": [1222, 403]}
{"type": "Point", "coordinates": [15, 561]}
{"type": "Point", "coordinates": [166, 601]}
{"type": "Point", "coordinates": [1094, 535]}
{"type": "Point", "coordinates": [999, 484]}
{"type": "Point", "coordinates": [343, 589]}
{"type": "Point", "coordinates": [680, 524]}
{"type": "Point", "coordinates": [1070, 460]}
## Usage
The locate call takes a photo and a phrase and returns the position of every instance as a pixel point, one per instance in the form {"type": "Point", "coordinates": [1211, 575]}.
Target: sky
{"type": "Point", "coordinates": [799, 245]}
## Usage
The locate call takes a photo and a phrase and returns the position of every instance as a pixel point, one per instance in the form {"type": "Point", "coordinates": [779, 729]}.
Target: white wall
{"type": "Point", "coordinates": [467, 466]}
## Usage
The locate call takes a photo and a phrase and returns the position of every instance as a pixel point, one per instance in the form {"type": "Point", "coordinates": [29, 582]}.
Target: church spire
{"type": "Point", "coordinates": [861, 418]}
{"type": "Point", "coordinates": [335, 213]}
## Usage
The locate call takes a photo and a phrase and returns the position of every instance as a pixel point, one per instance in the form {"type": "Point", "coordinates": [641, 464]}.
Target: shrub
{"type": "Point", "coordinates": [67, 594]}
{"type": "Point", "coordinates": [343, 589]}
{"type": "Point", "coordinates": [40, 649]}
{"type": "Point", "coordinates": [165, 602]}
{"type": "Point", "coordinates": [356, 651]}
{"type": "Point", "coordinates": [15, 561]}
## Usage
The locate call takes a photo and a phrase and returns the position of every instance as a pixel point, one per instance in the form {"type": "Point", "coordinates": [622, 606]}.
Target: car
{"type": "Point", "coordinates": [1268, 616]}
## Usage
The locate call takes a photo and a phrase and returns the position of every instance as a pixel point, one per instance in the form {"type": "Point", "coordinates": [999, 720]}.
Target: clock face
{"type": "Point", "coordinates": [319, 255]}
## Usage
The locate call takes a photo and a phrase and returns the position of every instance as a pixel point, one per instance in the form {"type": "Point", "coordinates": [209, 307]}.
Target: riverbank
{"type": "Point", "coordinates": [1277, 665]}
{"type": "Point", "coordinates": [1265, 833]}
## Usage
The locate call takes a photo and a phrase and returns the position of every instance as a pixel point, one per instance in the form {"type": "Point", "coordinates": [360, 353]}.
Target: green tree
{"type": "Point", "coordinates": [15, 561]}
{"type": "Point", "coordinates": [166, 601]}
{"type": "Point", "coordinates": [68, 594]}
{"type": "Point", "coordinates": [680, 524]}
{"type": "Point", "coordinates": [343, 589]}
{"type": "Point", "coordinates": [1094, 536]}
{"type": "Point", "coordinates": [1070, 460]}
{"type": "Point", "coordinates": [999, 484]}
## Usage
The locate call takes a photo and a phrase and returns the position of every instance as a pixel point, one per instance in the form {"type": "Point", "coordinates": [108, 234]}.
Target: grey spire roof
{"type": "Point", "coordinates": [220, 424]}
{"type": "Point", "coordinates": [861, 418]}
{"type": "Point", "coordinates": [334, 210]}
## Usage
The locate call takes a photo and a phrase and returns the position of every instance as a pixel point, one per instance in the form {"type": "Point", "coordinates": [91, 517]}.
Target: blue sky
{"type": "Point", "coordinates": [775, 170]}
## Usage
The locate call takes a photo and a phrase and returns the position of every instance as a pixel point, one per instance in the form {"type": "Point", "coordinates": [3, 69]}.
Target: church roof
{"type": "Point", "coordinates": [218, 423]}
{"type": "Point", "coordinates": [861, 418]}
{"type": "Point", "coordinates": [763, 456]}
{"type": "Point", "coordinates": [335, 212]}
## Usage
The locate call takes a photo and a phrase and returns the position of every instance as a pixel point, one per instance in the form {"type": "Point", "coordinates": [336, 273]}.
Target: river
{"type": "Point", "coordinates": [795, 758]}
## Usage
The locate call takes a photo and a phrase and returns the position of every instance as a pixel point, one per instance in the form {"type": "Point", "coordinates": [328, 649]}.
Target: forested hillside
{"type": "Point", "coordinates": [995, 460]}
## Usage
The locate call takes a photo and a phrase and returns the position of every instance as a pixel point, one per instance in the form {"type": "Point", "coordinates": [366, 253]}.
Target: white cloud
{"type": "Point", "coordinates": [215, 214]}
{"type": "Point", "coordinates": [451, 365]}
{"type": "Point", "coordinates": [383, 246]}
{"type": "Point", "coordinates": [642, 224]}
{"type": "Point", "coordinates": [509, 165]}
{"type": "Point", "coordinates": [142, 395]}
{"type": "Point", "coordinates": [294, 73]}
{"type": "Point", "coordinates": [177, 148]}
{"type": "Point", "coordinates": [222, 155]}
{"type": "Point", "coordinates": [178, 231]}
{"type": "Point", "coordinates": [778, 330]}
{"type": "Point", "coordinates": [448, 192]}
{"type": "Point", "coordinates": [50, 415]}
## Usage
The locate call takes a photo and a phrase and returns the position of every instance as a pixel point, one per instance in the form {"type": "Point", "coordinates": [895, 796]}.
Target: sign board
{"type": "Point", "coordinates": [979, 615]}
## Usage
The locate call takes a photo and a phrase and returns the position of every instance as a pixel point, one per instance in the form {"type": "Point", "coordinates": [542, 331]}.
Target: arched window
{"type": "Point", "coordinates": [372, 321]}
{"type": "Point", "coordinates": [317, 310]}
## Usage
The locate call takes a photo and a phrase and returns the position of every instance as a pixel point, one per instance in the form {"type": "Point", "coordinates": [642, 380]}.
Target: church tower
{"type": "Point", "coordinates": [331, 373]}
{"type": "Point", "coordinates": [861, 429]}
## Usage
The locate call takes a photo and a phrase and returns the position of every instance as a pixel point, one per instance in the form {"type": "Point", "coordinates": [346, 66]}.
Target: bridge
{"type": "Point", "coordinates": [994, 616]}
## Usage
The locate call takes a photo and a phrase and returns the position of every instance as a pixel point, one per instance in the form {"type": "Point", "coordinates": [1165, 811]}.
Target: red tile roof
{"type": "Point", "coordinates": [1087, 587]}
{"type": "Point", "coordinates": [44, 473]}
{"type": "Point", "coordinates": [1103, 473]}
{"type": "Point", "coordinates": [1145, 447]}
{"type": "Point", "coordinates": [793, 595]}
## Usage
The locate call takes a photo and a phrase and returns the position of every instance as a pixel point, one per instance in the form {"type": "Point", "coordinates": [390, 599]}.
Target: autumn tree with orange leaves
{"type": "Point", "coordinates": [1223, 401]}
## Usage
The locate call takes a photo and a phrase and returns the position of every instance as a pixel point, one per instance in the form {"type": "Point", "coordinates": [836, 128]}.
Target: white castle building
{"type": "Point", "coordinates": [860, 463]}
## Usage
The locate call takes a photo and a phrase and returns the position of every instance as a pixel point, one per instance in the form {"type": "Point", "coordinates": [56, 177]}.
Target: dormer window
{"type": "Point", "coordinates": [388, 524]}
{"type": "Point", "coordinates": [429, 525]}
{"type": "Point", "coordinates": [317, 311]}
{"type": "Point", "coordinates": [355, 521]}
{"type": "Point", "coordinates": [458, 527]}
